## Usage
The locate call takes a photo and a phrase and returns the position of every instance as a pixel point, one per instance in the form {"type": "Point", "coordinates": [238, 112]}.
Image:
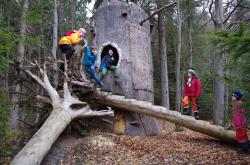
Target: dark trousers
{"type": "Point", "coordinates": [68, 50]}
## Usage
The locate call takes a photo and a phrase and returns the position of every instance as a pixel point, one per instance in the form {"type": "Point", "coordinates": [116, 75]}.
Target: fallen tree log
{"type": "Point", "coordinates": [65, 109]}
{"type": "Point", "coordinates": [148, 108]}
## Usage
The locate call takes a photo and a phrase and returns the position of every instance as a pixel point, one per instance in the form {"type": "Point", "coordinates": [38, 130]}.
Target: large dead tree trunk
{"type": "Point", "coordinates": [64, 111]}
{"type": "Point", "coordinates": [118, 28]}
{"type": "Point", "coordinates": [147, 108]}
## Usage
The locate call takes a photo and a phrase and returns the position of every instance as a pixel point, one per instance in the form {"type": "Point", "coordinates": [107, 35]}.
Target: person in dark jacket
{"type": "Point", "coordinates": [240, 121]}
{"type": "Point", "coordinates": [192, 91]}
{"type": "Point", "coordinates": [107, 63]}
{"type": "Point", "coordinates": [89, 63]}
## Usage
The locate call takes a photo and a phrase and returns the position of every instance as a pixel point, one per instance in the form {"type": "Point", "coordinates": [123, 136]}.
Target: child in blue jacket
{"type": "Point", "coordinates": [89, 63]}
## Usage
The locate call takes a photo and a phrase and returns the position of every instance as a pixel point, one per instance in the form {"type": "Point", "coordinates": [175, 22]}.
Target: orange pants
{"type": "Point", "coordinates": [186, 101]}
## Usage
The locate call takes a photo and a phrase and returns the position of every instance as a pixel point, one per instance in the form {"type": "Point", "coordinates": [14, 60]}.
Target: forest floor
{"type": "Point", "coordinates": [170, 147]}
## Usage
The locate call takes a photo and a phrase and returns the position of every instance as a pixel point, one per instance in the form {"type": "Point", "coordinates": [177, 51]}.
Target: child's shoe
{"type": "Point", "coordinates": [196, 115]}
{"type": "Point", "coordinates": [244, 148]}
{"type": "Point", "coordinates": [185, 111]}
{"type": "Point", "coordinates": [100, 85]}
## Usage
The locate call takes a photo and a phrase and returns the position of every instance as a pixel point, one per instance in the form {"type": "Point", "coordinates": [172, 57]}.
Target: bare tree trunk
{"type": "Point", "coordinates": [219, 87]}
{"type": "Point", "coordinates": [73, 15]}
{"type": "Point", "coordinates": [147, 108]}
{"type": "Point", "coordinates": [14, 114]}
{"type": "Point", "coordinates": [226, 96]}
{"type": "Point", "coordinates": [190, 39]}
{"type": "Point", "coordinates": [23, 28]}
{"type": "Point", "coordinates": [178, 60]}
{"type": "Point", "coordinates": [55, 28]}
{"type": "Point", "coordinates": [163, 58]}
{"type": "Point", "coordinates": [55, 38]}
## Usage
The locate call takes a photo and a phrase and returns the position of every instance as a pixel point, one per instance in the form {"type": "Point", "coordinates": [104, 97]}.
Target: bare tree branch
{"type": "Point", "coordinates": [21, 93]}
{"type": "Point", "coordinates": [87, 112]}
{"type": "Point", "coordinates": [229, 15]}
{"type": "Point", "coordinates": [210, 11]}
{"type": "Point", "coordinates": [233, 23]}
{"type": "Point", "coordinates": [28, 87]}
{"type": "Point", "coordinates": [157, 11]}
{"type": "Point", "coordinates": [52, 92]}
{"type": "Point", "coordinates": [83, 84]}
{"type": "Point", "coordinates": [43, 99]}
{"type": "Point", "coordinates": [36, 78]}
{"type": "Point", "coordinates": [205, 24]}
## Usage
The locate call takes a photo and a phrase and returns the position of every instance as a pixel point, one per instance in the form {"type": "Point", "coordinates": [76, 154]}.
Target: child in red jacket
{"type": "Point", "coordinates": [240, 121]}
{"type": "Point", "coordinates": [192, 91]}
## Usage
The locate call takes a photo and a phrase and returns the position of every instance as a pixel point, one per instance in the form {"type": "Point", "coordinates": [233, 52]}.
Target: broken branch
{"type": "Point", "coordinates": [157, 11]}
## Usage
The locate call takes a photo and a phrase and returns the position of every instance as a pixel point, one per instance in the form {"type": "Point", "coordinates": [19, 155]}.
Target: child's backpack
{"type": "Point", "coordinates": [69, 33]}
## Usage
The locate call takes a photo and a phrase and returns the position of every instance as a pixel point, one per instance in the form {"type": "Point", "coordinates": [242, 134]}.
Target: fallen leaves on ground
{"type": "Point", "coordinates": [170, 147]}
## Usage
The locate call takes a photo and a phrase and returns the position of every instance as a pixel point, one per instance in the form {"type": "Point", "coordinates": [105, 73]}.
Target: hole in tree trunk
{"type": "Point", "coordinates": [115, 53]}
{"type": "Point", "coordinates": [124, 15]}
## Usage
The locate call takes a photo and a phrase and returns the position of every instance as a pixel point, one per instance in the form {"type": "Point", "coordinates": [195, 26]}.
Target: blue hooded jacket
{"type": "Point", "coordinates": [89, 59]}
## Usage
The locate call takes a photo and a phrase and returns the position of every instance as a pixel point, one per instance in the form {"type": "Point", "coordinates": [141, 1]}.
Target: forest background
{"type": "Point", "coordinates": [211, 36]}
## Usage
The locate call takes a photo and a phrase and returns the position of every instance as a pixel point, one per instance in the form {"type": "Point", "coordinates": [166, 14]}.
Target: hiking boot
{"type": "Point", "coordinates": [196, 115]}
{"type": "Point", "coordinates": [99, 85]}
{"type": "Point", "coordinates": [185, 111]}
{"type": "Point", "coordinates": [244, 148]}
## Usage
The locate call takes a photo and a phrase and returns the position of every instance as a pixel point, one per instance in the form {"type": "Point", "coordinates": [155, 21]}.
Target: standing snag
{"type": "Point", "coordinates": [117, 27]}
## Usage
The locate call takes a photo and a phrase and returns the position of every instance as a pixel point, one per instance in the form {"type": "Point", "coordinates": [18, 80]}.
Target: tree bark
{"type": "Point", "coordinates": [73, 13]}
{"type": "Point", "coordinates": [219, 87]}
{"type": "Point", "coordinates": [147, 108]}
{"type": "Point", "coordinates": [135, 76]}
{"type": "Point", "coordinates": [35, 150]}
{"type": "Point", "coordinates": [55, 28]}
{"type": "Point", "coordinates": [163, 58]}
{"type": "Point", "coordinates": [14, 114]}
{"type": "Point", "coordinates": [55, 40]}
{"type": "Point", "coordinates": [178, 59]}
{"type": "Point", "coordinates": [190, 39]}
{"type": "Point", "coordinates": [23, 28]}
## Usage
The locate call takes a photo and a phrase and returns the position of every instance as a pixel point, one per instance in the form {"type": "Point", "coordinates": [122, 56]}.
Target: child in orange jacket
{"type": "Point", "coordinates": [66, 43]}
